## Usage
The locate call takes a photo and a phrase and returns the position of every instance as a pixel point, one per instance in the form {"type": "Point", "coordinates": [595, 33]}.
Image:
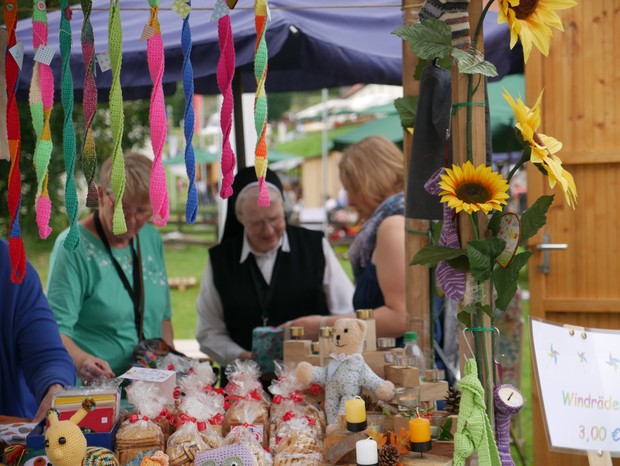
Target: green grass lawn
{"type": "Point", "coordinates": [189, 260]}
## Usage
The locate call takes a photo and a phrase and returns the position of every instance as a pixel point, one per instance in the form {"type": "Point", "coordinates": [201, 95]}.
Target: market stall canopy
{"type": "Point", "coordinates": [388, 127]}
{"type": "Point", "coordinates": [312, 44]}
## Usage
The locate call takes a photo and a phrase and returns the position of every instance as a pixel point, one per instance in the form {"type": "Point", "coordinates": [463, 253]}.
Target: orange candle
{"type": "Point", "coordinates": [355, 410]}
{"type": "Point", "coordinates": [419, 430]}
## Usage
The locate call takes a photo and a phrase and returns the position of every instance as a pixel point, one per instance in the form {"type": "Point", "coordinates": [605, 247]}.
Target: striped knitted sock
{"type": "Point", "coordinates": [452, 12]}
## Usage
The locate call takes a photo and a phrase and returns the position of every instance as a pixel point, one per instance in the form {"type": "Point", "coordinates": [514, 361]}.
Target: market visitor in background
{"type": "Point", "coordinates": [265, 273]}
{"type": "Point", "coordinates": [372, 172]}
{"type": "Point", "coordinates": [97, 291]}
{"type": "Point", "coordinates": [34, 364]}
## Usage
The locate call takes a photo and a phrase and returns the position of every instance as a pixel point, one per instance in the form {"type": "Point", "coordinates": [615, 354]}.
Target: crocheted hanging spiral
{"type": "Point", "coordinates": [157, 119]}
{"type": "Point", "coordinates": [89, 105]}
{"type": "Point", "coordinates": [260, 100]}
{"type": "Point", "coordinates": [191, 208]}
{"type": "Point", "coordinates": [72, 241]}
{"type": "Point", "coordinates": [117, 117]}
{"type": "Point", "coordinates": [225, 74]}
{"type": "Point", "coordinates": [17, 254]}
{"type": "Point", "coordinates": [4, 139]}
{"type": "Point", "coordinates": [41, 103]}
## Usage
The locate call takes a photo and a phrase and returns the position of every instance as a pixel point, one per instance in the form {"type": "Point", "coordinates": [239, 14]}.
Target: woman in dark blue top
{"type": "Point", "coordinates": [372, 172]}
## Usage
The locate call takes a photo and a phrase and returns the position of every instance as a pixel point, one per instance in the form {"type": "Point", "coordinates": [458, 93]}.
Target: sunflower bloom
{"type": "Point", "coordinates": [473, 189]}
{"type": "Point", "coordinates": [543, 148]}
{"type": "Point", "coordinates": [530, 20]}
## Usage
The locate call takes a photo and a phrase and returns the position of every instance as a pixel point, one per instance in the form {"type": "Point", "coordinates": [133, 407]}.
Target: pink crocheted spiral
{"type": "Point", "coordinates": [225, 73]}
{"type": "Point", "coordinates": [44, 212]}
{"type": "Point", "coordinates": [157, 118]}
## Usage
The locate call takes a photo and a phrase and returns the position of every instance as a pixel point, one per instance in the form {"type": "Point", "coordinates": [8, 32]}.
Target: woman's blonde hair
{"type": "Point", "coordinates": [137, 173]}
{"type": "Point", "coordinates": [374, 168]}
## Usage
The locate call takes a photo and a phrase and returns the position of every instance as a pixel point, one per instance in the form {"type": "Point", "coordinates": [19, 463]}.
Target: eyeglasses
{"type": "Point", "coordinates": [259, 225]}
{"type": "Point", "coordinates": [140, 213]}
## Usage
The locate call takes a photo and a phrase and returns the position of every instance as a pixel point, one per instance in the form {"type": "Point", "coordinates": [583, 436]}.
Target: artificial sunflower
{"type": "Point", "coordinates": [543, 148]}
{"type": "Point", "coordinates": [473, 189]}
{"type": "Point", "coordinates": [530, 20]}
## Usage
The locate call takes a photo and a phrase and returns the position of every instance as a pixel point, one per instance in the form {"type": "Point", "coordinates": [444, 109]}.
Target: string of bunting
{"type": "Point", "coordinates": [191, 208]}
{"type": "Point", "coordinates": [117, 117]}
{"type": "Point", "coordinates": [17, 254]}
{"type": "Point", "coordinates": [72, 241]}
{"type": "Point", "coordinates": [157, 116]}
{"type": "Point", "coordinates": [41, 103]}
{"type": "Point", "coordinates": [260, 100]}
{"type": "Point", "coordinates": [89, 106]}
{"type": "Point", "coordinates": [225, 74]}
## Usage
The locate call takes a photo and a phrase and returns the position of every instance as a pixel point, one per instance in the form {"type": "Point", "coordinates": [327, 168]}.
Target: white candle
{"type": "Point", "coordinates": [511, 397]}
{"type": "Point", "coordinates": [366, 452]}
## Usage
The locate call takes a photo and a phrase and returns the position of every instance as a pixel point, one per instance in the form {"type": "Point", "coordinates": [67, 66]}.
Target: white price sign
{"type": "Point", "coordinates": [579, 376]}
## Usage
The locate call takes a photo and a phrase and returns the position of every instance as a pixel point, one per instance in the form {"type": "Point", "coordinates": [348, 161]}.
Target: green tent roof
{"type": "Point", "coordinates": [502, 115]}
{"type": "Point", "coordinates": [201, 156]}
{"type": "Point", "coordinates": [389, 127]}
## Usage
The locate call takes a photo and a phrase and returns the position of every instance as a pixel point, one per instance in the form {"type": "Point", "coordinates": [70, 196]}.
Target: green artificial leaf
{"type": "Point", "coordinates": [460, 263]}
{"type": "Point", "coordinates": [505, 280]}
{"type": "Point", "coordinates": [494, 222]}
{"type": "Point", "coordinates": [464, 317]}
{"type": "Point", "coordinates": [534, 218]}
{"type": "Point", "coordinates": [482, 254]}
{"type": "Point", "coordinates": [470, 63]}
{"type": "Point", "coordinates": [445, 433]}
{"type": "Point", "coordinates": [406, 108]}
{"type": "Point", "coordinates": [428, 40]}
{"type": "Point", "coordinates": [431, 255]}
{"type": "Point", "coordinates": [486, 308]}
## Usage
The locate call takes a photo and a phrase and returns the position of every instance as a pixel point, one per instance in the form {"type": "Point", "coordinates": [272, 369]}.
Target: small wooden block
{"type": "Point", "coordinates": [403, 376]}
{"type": "Point", "coordinates": [314, 359]}
{"type": "Point", "coordinates": [432, 391]}
{"type": "Point", "coordinates": [376, 361]}
{"type": "Point", "coordinates": [297, 350]}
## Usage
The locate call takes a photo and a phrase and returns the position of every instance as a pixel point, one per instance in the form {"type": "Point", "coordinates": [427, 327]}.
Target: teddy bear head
{"type": "Point", "coordinates": [349, 335]}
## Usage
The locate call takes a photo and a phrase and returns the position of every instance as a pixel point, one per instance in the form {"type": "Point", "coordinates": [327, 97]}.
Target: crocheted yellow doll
{"type": "Point", "coordinates": [65, 444]}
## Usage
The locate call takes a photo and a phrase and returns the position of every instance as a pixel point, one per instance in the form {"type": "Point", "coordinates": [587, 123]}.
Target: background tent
{"type": "Point", "coordinates": [312, 44]}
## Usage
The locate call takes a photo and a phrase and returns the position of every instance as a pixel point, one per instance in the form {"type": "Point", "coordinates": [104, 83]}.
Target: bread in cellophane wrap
{"type": "Point", "coordinates": [198, 378]}
{"type": "Point", "coordinates": [288, 397]}
{"type": "Point", "coordinates": [249, 404]}
{"type": "Point", "coordinates": [298, 442]}
{"type": "Point", "coordinates": [244, 435]}
{"type": "Point", "coordinates": [138, 433]}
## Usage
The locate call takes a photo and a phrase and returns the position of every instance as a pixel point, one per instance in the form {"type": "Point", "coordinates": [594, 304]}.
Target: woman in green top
{"type": "Point", "coordinates": [93, 291]}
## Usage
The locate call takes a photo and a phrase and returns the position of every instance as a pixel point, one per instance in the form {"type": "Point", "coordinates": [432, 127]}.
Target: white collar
{"type": "Point", "coordinates": [247, 249]}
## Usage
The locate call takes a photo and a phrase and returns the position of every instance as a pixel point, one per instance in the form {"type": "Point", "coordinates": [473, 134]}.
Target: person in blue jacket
{"type": "Point", "coordinates": [34, 364]}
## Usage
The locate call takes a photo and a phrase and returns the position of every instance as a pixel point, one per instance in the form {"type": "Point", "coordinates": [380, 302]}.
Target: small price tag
{"type": "Point", "coordinates": [18, 52]}
{"type": "Point", "coordinates": [103, 58]}
{"type": "Point", "coordinates": [180, 7]}
{"type": "Point", "coordinates": [44, 54]}
{"type": "Point", "coordinates": [147, 32]}
{"type": "Point", "coordinates": [220, 10]}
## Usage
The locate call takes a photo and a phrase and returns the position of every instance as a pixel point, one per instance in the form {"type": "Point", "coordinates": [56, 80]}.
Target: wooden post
{"type": "Point", "coordinates": [417, 276]}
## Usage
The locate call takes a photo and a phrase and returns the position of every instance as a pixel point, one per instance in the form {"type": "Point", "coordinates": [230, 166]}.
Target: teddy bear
{"type": "Point", "coordinates": [347, 374]}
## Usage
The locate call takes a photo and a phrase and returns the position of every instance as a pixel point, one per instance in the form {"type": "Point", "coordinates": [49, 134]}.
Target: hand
{"type": "Point", "coordinates": [310, 324]}
{"type": "Point", "coordinates": [93, 368]}
{"type": "Point", "coordinates": [46, 403]}
{"type": "Point", "coordinates": [247, 355]}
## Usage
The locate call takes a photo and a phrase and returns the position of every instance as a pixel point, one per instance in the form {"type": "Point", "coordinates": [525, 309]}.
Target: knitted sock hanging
{"type": "Point", "coordinates": [17, 254]}
{"type": "Point", "coordinates": [225, 74]}
{"type": "Point", "coordinates": [89, 105]}
{"type": "Point", "coordinates": [473, 430]}
{"type": "Point", "coordinates": [191, 208]}
{"type": "Point", "coordinates": [455, 13]}
{"type": "Point", "coordinates": [260, 100]}
{"type": "Point", "coordinates": [157, 119]}
{"type": "Point", "coordinates": [117, 117]}
{"type": "Point", "coordinates": [41, 104]}
{"type": "Point", "coordinates": [4, 139]}
{"type": "Point", "coordinates": [72, 241]}
{"type": "Point", "coordinates": [504, 410]}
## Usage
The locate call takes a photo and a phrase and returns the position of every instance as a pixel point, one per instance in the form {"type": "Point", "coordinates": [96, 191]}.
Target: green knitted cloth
{"type": "Point", "coordinates": [473, 431]}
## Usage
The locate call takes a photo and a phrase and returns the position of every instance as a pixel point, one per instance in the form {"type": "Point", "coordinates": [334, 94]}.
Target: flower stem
{"type": "Point", "coordinates": [474, 225]}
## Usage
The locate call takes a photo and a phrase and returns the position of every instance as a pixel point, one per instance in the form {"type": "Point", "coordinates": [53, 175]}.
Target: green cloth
{"type": "Point", "coordinates": [91, 304]}
{"type": "Point", "coordinates": [473, 431]}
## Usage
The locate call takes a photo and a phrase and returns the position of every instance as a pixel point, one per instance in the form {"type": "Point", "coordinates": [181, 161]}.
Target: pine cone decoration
{"type": "Point", "coordinates": [389, 455]}
{"type": "Point", "coordinates": [453, 400]}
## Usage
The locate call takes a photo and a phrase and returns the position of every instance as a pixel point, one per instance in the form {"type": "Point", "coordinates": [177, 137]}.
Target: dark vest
{"type": "Point", "coordinates": [297, 284]}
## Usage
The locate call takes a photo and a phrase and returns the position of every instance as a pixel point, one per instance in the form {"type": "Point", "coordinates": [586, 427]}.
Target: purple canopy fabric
{"type": "Point", "coordinates": [312, 44]}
